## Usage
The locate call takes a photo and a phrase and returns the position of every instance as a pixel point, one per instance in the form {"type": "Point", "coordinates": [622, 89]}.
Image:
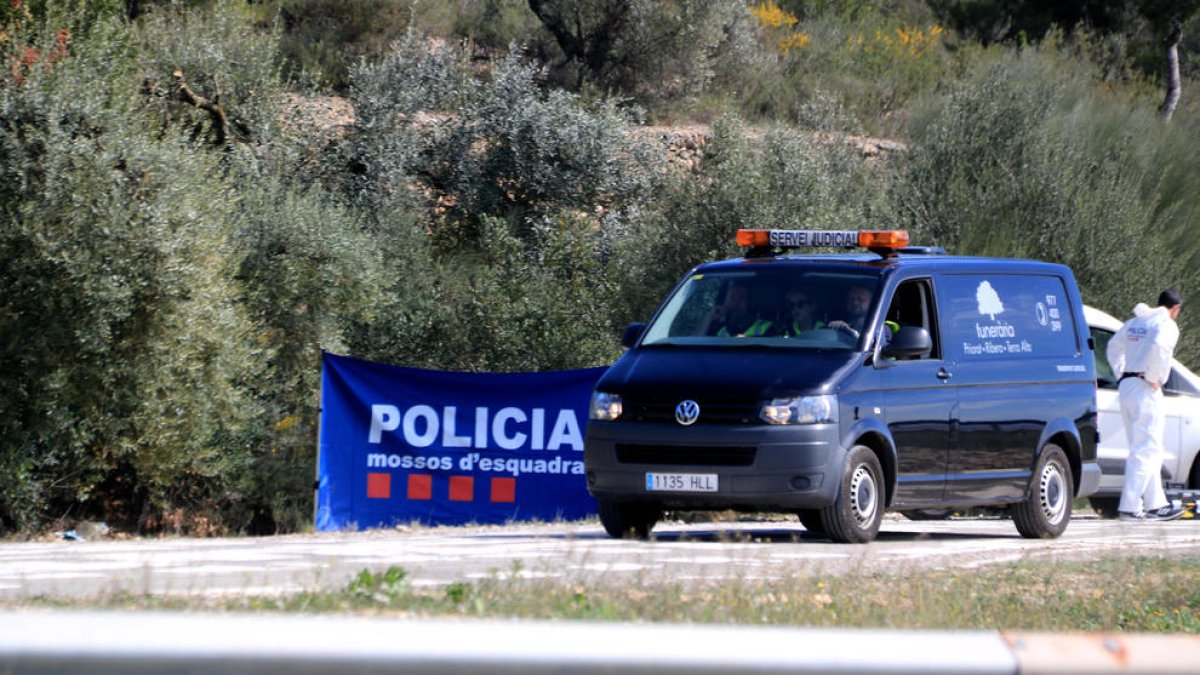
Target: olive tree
{"type": "Point", "coordinates": [124, 351]}
{"type": "Point", "coordinates": [491, 144]}
{"type": "Point", "coordinates": [1023, 159]}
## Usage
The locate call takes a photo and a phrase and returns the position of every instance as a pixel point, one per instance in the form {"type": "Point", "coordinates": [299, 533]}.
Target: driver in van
{"type": "Point", "coordinates": [799, 314]}
{"type": "Point", "coordinates": [734, 317]}
{"type": "Point", "coordinates": [854, 314]}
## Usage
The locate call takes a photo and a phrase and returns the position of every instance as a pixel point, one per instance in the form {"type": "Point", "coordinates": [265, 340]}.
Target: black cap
{"type": "Point", "coordinates": [1169, 298]}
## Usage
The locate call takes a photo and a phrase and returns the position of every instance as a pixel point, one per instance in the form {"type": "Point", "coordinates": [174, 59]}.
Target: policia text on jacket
{"type": "Point", "coordinates": [838, 386]}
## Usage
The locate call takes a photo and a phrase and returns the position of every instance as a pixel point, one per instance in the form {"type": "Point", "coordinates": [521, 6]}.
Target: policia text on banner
{"type": "Point", "coordinates": [510, 428]}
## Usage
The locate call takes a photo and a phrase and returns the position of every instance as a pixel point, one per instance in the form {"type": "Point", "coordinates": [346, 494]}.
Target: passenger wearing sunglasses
{"type": "Point", "coordinates": [799, 316]}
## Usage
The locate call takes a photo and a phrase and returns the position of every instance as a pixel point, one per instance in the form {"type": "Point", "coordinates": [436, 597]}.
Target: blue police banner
{"type": "Point", "coordinates": [404, 445]}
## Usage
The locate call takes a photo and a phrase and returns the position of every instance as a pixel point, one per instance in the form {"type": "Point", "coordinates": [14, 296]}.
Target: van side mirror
{"type": "Point", "coordinates": [909, 341]}
{"type": "Point", "coordinates": [632, 332]}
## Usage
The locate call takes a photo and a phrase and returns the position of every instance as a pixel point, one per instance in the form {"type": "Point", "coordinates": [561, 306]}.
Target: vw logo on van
{"type": "Point", "coordinates": [687, 412]}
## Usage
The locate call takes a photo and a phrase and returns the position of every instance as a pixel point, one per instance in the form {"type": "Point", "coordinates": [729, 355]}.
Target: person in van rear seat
{"type": "Point", "coordinates": [734, 318]}
{"type": "Point", "coordinates": [1141, 352]}
{"type": "Point", "coordinates": [799, 315]}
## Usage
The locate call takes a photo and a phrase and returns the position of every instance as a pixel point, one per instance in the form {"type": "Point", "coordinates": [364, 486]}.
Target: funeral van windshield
{"type": "Point", "coordinates": [786, 306]}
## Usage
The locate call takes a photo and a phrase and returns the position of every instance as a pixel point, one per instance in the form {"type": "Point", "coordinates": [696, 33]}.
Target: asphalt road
{"type": "Point", "coordinates": [578, 552]}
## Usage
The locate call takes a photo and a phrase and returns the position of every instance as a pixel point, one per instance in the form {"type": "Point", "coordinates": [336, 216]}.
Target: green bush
{"type": "Point", "coordinates": [168, 299]}
{"type": "Point", "coordinates": [871, 63]}
{"type": "Point", "coordinates": [326, 38]}
{"type": "Point", "coordinates": [310, 272]}
{"type": "Point", "coordinates": [223, 57]}
{"type": "Point", "coordinates": [124, 349]}
{"type": "Point", "coordinates": [495, 146]}
{"type": "Point", "coordinates": [1023, 158]}
{"type": "Point", "coordinates": [651, 52]}
{"type": "Point", "coordinates": [778, 178]}
{"type": "Point", "coordinates": [493, 25]}
{"type": "Point", "coordinates": [525, 190]}
{"type": "Point", "coordinates": [538, 299]}
{"type": "Point", "coordinates": [540, 296]}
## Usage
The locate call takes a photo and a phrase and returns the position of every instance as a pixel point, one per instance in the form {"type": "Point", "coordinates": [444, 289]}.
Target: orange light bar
{"type": "Point", "coordinates": [883, 238]}
{"type": "Point", "coordinates": [871, 239]}
{"type": "Point", "coordinates": [754, 237]}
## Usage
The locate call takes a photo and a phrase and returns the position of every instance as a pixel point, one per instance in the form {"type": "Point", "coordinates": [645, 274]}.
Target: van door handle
{"type": "Point", "coordinates": [943, 374]}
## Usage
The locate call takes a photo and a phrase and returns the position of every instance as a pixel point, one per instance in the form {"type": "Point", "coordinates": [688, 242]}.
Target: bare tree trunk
{"type": "Point", "coordinates": [586, 31]}
{"type": "Point", "coordinates": [220, 122]}
{"type": "Point", "coordinates": [1167, 109]}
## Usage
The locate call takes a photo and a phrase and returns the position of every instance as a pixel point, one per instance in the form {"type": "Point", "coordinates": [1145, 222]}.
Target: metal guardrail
{"type": "Point", "coordinates": [154, 642]}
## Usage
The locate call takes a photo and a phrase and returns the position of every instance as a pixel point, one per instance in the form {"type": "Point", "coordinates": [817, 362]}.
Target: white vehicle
{"type": "Point", "coordinates": [1182, 396]}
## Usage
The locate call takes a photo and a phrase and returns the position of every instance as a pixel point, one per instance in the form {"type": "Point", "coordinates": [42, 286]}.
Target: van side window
{"type": "Point", "coordinates": [912, 305]}
{"type": "Point", "coordinates": [1176, 386]}
{"type": "Point", "coordinates": [1105, 378]}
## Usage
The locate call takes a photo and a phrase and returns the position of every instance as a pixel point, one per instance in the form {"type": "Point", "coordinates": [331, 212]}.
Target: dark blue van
{"type": "Point", "coordinates": [838, 386]}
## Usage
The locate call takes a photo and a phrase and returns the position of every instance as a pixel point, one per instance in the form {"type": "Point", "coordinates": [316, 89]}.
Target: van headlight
{"type": "Point", "coordinates": [604, 407]}
{"type": "Point", "coordinates": [800, 410]}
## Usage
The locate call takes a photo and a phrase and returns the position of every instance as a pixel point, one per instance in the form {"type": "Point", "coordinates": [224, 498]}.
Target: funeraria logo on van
{"type": "Point", "coordinates": [989, 303]}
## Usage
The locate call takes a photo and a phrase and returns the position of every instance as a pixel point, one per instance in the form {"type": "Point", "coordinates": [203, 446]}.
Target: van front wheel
{"type": "Point", "coordinates": [1047, 510]}
{"type": "Point", "coordinates": [811, 520]}
{"type": "Point", "coordinates": [855, 515]}
{"type": "Point", "coordinates": [628, 520]}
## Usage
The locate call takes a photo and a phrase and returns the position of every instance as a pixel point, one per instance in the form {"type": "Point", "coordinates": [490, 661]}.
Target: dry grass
{"type": "Point", "coordinates": [1112, 594]}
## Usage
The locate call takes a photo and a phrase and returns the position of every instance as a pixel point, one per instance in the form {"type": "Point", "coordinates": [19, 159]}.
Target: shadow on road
{"type": "Point", "coordinates": [755, 535]}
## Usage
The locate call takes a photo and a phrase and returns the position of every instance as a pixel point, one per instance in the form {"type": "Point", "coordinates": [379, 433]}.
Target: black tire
{"type": "Point", "coordinates": [811, 520]}
{"type": "Point", "coordinates": [1194, 476]}
{"type": "Point", "coordinates": [857, 511]}
{"type": "Point", "coordinates": [1106, 507]}
{"type": "Point", "coordinates": [628, 520]}
{"type": "Point", "coordinates": [1047, 510]}
{"type": "Point", "coordinates": [928, 514]}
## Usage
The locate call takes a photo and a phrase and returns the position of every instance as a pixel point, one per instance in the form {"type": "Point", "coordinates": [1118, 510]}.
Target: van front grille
{"type": "Point", "coordinates": [686, 455]}
{"type": "Point", "coordinates": [710, 413]}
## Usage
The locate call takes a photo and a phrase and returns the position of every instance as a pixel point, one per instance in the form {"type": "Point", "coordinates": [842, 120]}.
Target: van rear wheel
{"type": "Point", "coordinates": [628, 520]}
{"type": "Point", "coordinates": [1047, 510]}
{"type": "Point", "coordinates": [855, 515]}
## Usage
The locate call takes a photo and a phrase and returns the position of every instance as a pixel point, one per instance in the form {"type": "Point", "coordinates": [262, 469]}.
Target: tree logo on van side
{"type": "Point", "coordinates": [989, 300]}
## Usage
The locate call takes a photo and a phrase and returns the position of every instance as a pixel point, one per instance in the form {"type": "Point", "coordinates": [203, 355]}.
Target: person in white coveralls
{"type": "Point", "coordinates": [1141, 353]}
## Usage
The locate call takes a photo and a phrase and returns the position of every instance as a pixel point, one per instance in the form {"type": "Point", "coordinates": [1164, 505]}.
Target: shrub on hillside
{"type": "Point", "coordinates": [1023, 158]}
{"type": "Point", "coordinates": [494, 144]}
{"type": "Point", "coordinates": [309, 273]}
{"type": "Point", "coordinates": [220, 56]}
{"type": "Point", "coordinates": [166, 300]}
{"type": "Point", "coordinates": [124, 354]}
{"type": "Point", "coordinates": [873, 63]}
{"type": "Point", "coordinates": [655, 53]}
{"type": "Point", "coordinates": [324, 39]}
{"type": "Point", "coordinates": [778, 178]}
{"type": "Point", "coordinates": [493, 25]}
{"type": "Point", "coordinates": [542, 297]}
